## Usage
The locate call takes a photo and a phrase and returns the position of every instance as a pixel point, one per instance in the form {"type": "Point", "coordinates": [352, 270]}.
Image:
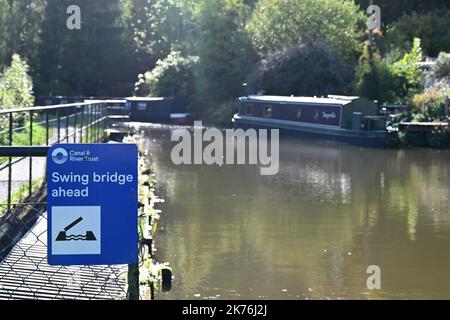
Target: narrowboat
{"type": "Point", "coordinates": [338, 119]}
{"type": "Point", "coordinates": [158, 110]}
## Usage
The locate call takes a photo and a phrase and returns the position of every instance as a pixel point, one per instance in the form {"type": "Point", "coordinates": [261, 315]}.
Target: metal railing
{"type": "Point", "coordinates": [76, 122]}
{"type": "Point", "coordinates": [24, 272]}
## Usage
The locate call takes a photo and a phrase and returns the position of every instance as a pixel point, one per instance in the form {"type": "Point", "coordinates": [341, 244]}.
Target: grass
{"type": "Point", "coordinates": [20, 195]}
{"type": "Point", "coordinates": [22, 137]}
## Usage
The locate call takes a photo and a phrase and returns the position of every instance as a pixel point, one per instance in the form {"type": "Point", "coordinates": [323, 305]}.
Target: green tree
{"type": "Point", "coordinates": [20, 23]}
{"type": "Point", "coordinates": [16, 91]}
{"type": "Point", "coordinates": [226, 54]}
{"type": "Point", "coordinates": [375, 80]}
{"type": "Point", "coordinates": [308, 69]}
{"type": "Point", "coordinates": [392, 79]}
{"type": "Point", "coordinates": [16, 86]}
{"type": "Point", "coordinates": [155, 26]}
{"type": "Point", "coordinates": [171, 77]}
{"type": "Point", "coordinates": [432, 27]}
{"type": "Point", "coordinates": [96, 60]}
{"type": "Point", "coordinates": [277, 23]}
{"type": "Point", "coordinates": [393, 10]}
{"type": "Point", "coordinates": [407, 69]}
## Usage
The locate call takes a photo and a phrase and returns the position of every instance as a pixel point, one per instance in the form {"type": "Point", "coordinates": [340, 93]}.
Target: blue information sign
{"type": "Point", "coordinates": [92, 204]}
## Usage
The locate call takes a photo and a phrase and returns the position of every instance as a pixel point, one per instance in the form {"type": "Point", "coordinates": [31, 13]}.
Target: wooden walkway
{"type": "Point", "coordinates": [25, 274]}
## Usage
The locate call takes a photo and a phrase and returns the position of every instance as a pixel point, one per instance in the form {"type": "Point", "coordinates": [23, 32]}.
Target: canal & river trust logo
{"type": "Point", "coordinates": [59, 155]}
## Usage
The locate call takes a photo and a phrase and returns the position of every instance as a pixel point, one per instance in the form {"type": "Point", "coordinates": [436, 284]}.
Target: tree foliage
{"type": "Point", "coordinates": [16, 86]}
{"type": "Point", "coordinates": [171, 77]}
{"type": "Point", "coordinates": [393, 10]}
{"type": "Point", "coordinates": [307, 69]}
{"type": "Point", "coordinates": [431, 103]}
{"type": "Point", "coordinates": [442, 68]}
{"type": "Point", "coordinates": [225, 52]}
{"type": "Point", "coordinates": [432, 27]}
{"type": "Point", "coordinates": [16, 91]}
{"type": "Point", "coordinates": [407, 69]}
{"type": "Point", "coordinates": [157, 26]}
{"type": "Point", "coordinates": [277, 23]}
{"type": "Point", "coordinates": [392, 79]}
{"type": "Point", "coordinates": [20, 23]}
{"type": "Point", "coordinates": [95, 60]}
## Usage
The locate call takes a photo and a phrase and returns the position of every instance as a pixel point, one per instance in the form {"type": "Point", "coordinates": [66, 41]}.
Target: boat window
{"type": "Point", "coordinates": [268, 111]}
{"type": "Point", "coordinates": [249, 109]}
{"type": "Point", "coordinates": [299, 113]}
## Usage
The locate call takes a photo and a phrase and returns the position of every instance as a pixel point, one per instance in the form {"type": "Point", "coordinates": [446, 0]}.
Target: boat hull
{"type": "Point", "coordinates": [361, 138]}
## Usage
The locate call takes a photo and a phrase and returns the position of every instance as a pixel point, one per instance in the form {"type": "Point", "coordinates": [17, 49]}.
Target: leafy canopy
{"type": "Point", "coordinates": [172, 76]}
{"type": "Point", "coordinates": [277, 23]}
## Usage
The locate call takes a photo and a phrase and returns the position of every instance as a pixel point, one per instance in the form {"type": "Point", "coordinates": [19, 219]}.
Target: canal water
{"type": "Point", "coordinates": [309, 232]}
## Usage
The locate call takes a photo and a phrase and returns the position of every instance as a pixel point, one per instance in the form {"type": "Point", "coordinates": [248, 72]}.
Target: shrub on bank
{"type": "Point", "coordinates": [172, 77]}
{"type": "Point", "coordinates": [16, 90]}
{"type": "Point", "coordinates": [390, 79]}
{"type": "Point", "coordinates": [432, 103]}
{"type": "Point", "coordinates": [442, 67]}
{"type": "Point", "coordinates": [221, 114]}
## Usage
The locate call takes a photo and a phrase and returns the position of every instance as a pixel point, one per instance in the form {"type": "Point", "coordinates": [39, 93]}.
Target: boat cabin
{"type": "Point", "coordinates": [159, 110]}
{"type": "Point", "coordinates": [345, 112]}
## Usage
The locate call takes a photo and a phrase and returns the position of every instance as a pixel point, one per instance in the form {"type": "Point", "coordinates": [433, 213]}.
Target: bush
{"type": "Point", "coordinates": [221, 114]}
{"type": "Point", "coordinates": [431, 105]}
{"type": "Point", "coordinates": [307, 69]}
{"type": "Point", "coordinates": [442, 67]}
{"type": "Point", "coordinates": [392, 79]}
{"type": "Point", "coordinates": [16, 91]}
{"type": "Point", "coordinates": [171, 77]}
{"type": "Point", "coordinates": [16, 86]}
{"type": "Point", "coordinates": [375, 80]}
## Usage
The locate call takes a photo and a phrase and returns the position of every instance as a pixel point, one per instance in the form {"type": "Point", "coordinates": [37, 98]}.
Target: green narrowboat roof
{"type": "Point", "coordinates": [330, 99]}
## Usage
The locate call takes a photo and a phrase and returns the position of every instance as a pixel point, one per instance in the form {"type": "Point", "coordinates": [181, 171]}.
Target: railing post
{"type": "Point", "coordinates": [133, 281]}
{"type": "Point", "coordinates": [75, 126]}
{"type": "Point", "coordinates": [10, 160]}
{"type": "Point", "coordinates": [81, 125]}
{"type": "Point", "coordinates": [98, 113]}
{"type": "Point", "coordinates": [103, 119]}
{"type": "Point", "coordinates": [30, 176]}
{"type": "Point", "coordinates": [46, 128]}
{"type": "Point", "coordinates": [96, 122]}
{"type": "Point", "coordinates": [67, 126]}
{"type": "Point", "coordinates": [59, 125]}
{"type": "Point", "coordinates": [90, 124]}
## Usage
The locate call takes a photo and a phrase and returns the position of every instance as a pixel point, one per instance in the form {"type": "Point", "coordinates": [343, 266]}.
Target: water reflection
{"type": "Point", "coordinates": [311, 230]}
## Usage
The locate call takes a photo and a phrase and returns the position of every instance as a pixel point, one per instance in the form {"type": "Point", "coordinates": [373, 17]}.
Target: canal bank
{"type": "Point", "coordinates": [309, 232]}
{"type": "Point", "coordinates": [148, 276]}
